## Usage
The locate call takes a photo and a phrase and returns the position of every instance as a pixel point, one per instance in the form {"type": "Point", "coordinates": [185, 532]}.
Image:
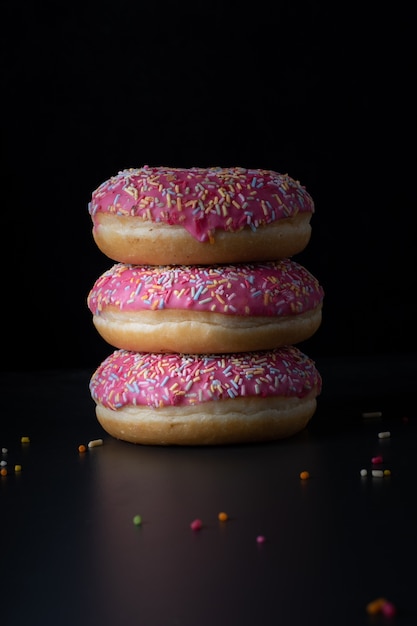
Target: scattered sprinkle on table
{"type": "Point", "coordinates": [388, 609]}
{"type": "Point", "coordinates": [375, 606]}
{"type": "Point", "coordinates": [95, 442]}
{"type": "Point", "coordinates": [82, 448]}
{"type": "Point", "coordinates": [25, 439]}
{"type": "Point", "coordinates": [381, 605]}
{"type": "Point", "coordinates": [17, 468]}
{"type": "Point", "coordinates": [304, 475]}
{"type": "Point", "coordinates": [196, 524]}
{"type": "Point", "coordinates": [4, 451]}
{"type": "Point", "coordinates": [260, 539]}
{"type": "Point", "coordinates": [376, 460]}
{"type": "Point", "coordinates": [3, 471]}
{"type": "Point", "coordinates": [376, 473]}
{"type": "Point", "coordinates": [223, 517]}
{"type": "Point", "coordinates": [137, 520]}
{"type": "Point", "coordinates": [368, 414]}
{"type": "Point", "coordinates": [364, 472]}
{"type": "Point", "coordinates": [384, 434]}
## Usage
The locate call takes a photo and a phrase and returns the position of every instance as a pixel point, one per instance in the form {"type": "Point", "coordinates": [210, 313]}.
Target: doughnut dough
{"type": "Point", "coordinates": [200, 309]}
{"type": "Point", "coordinates": [195, 400]}
{"type": "Point", "coordinates": [160, 215]}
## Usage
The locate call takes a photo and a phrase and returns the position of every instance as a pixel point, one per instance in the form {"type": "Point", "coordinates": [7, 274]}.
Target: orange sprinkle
{"type": "Point", "coordinates": [375, 606]}
{"type": "Point", "coordinates": [3, 471]}
{"type": "Point", "coordinates": [82, 448]}
{"type": "Point", "coordinates": [223, 517]}
{"type": "Point", "coordinates": [304, 475]}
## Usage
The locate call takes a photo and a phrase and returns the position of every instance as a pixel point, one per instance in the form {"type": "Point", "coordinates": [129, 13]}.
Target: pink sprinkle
{"type": "Point", "coordinates": [260, 539]}
{"type": "Point", "coordinates": [388, 609]}
{"type": "Point", "coordinates": [196, 524]}
{"type": "Point", "coordinates": [377, 459]}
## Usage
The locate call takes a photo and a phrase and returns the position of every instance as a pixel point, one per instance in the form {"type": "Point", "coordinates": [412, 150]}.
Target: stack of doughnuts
{"type": "Point", "coordinates": [204, 305]}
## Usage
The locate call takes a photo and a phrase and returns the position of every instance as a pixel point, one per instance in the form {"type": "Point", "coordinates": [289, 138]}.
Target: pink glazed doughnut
{"type": "Point", "coordinates": [206, 309]}
{"type": "Point", "coordinates": [179, 399]}
{"type": "Point", "coordinates": [162, 215]}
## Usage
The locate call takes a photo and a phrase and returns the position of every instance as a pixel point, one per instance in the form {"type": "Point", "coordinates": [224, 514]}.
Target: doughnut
{"type": "Point", "coordinates": [179, 216]}
{"type": "Point", "coordinates": [185, 399]}
{"type": "Point", "coordinates": [204, 309]}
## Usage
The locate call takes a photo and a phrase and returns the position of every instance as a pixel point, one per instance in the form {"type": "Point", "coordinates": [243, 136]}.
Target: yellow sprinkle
{"type": "Point", "coordinates": [387, 472]}
{"type": "Point", "coordinates": [17, 468]}
{"type": "Point", "coordinates": [25, 440]}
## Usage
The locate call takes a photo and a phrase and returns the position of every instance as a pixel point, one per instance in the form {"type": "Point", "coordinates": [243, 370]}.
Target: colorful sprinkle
{"type": "Point", "coordinates": [25, 440]}
{"type": "Point", "coordinates": [381, 605]}
{"type": "Point", "coordinates": [374, 607]}
{"type": "Point", "coordinates": [377, 460]}
{"type": "Point", "coordinates": [139, 378]}
{"type": "Point", "coordinates": [260, 539]}
{"type": "Point", "coordinates": [95, 442]}
{"type": "Point", "coordinates": [202, 200]}
{"type": "Point", "coordinates": [286, 287]}
{"type": "Point", "coordinates": [304, 475]}
{"type": "Point", "coordinates": [388, 609]}
{"type": "Point", "coordinates": [369, 414]}
{"type": "Point", "coordinates": [196, 524]}
{"type": "Point", "coordinates": [137, 520]}
{"type": "Point", "coordinates": [82, 448]}
{"type": "Point", "coordinates": [3, 471]}
{"type": "Point", "coordinates": [384, 435]}
{"type": "Point", "coordinates": [222, 516]}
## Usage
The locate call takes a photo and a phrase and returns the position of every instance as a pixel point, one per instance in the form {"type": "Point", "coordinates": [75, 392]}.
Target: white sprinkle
{"type": "Point", "coordinates": [384, 435]}
{"type": "Point", "coordinates": [3, 463]}
{"type": "Point", "coordinates": [4, 450]}
{"type": "Point", "coordinates": [364, 472]}
{"type": "Point", "coordinates": [377, 473]}
{"type": "Point", "coordinates": [372, 414]}
{"type": "Point", "coordinates": [95, 442]}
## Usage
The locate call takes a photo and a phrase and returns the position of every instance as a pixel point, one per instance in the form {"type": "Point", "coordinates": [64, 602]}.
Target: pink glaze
{"type": "Point", "coordinates": [276, 288]}
{"type": "Point", "coordinates": [202, 200]}
{"type": "Point", "coordinates": [155, 380]}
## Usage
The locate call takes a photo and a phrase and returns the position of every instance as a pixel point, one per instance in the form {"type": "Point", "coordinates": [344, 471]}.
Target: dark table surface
{"type": "Point", "coordinates": [71, 554]}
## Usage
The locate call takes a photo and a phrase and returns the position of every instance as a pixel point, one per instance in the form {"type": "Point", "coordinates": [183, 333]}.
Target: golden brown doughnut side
{"type": "Point", "coordinates": [132, 240]}
{"type": "Point", "coordinates": [202, 332]}
{"type": "Point", "coordinates": [231, 421]}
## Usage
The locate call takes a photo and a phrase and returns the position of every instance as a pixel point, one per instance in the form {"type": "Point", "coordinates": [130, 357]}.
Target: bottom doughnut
{"type": "Point", "coordinates": [177, 399]}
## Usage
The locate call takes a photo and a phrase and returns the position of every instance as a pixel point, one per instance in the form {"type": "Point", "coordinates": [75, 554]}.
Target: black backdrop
{"type": "Point", "coordinates": [321, 91]}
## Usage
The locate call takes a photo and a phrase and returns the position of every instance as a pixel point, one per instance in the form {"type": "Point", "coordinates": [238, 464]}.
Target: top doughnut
{"type": "Point", "coordinates": [162, 215]}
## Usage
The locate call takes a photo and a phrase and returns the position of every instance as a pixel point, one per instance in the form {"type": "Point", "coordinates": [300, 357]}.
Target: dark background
{"type": "Point", "coordinates": [322, 92]}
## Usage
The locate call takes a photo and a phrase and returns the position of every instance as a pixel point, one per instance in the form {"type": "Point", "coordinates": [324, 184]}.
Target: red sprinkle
{"type": "Point", "coordinates": [377, 459]}
{"type": "Point", "coordinates": [388, 609]}
{"type": "Point", "coordinates": [196, 524]}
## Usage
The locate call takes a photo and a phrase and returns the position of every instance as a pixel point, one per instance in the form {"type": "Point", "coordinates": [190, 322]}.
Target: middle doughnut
{"type": "Point", "coordinates": [206, 309]}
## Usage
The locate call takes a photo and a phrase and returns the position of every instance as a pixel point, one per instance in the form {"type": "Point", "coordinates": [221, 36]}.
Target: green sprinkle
{"type": "Point", "coordinates": [137, 520]}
